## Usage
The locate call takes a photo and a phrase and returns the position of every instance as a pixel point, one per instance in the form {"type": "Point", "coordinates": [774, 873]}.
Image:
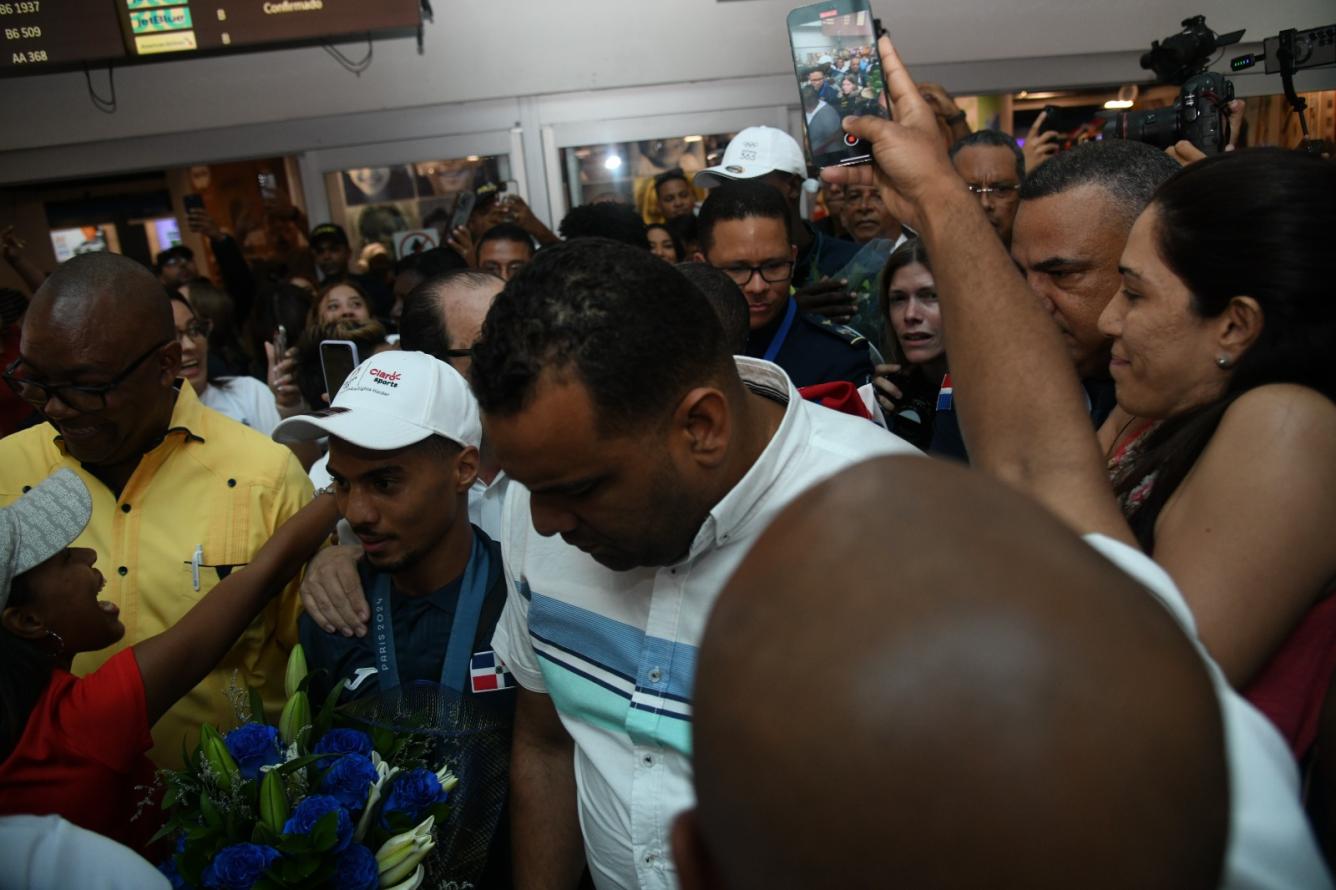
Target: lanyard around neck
{"type": "Point", "coordinates": [782, 333]}
{"type": "Point", "coordinates": [472, 592]}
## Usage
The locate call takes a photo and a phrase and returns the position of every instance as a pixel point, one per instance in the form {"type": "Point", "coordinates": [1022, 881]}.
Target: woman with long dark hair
{"type": "Point", "coordinates": [1223, 452]}
{"type": "Point", "coordinates": [915, 347]}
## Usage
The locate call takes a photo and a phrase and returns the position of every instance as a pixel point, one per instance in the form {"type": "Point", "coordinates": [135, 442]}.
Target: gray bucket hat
{"type": "Point", "coordinates": [40, 524]}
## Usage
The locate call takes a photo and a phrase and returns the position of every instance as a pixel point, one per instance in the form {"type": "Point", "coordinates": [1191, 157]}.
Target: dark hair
{"type": "Point", "coordinates": [992, 139]}
{"type": "Point", "coordinates": [177, 297]}
{"type": "Point", "coordinates": [225, 341]}
{"type": "Point", "coordinates": [909, 253]}
{"type": "Point", "coordinates": [422, 326]}
{"type": "Point", "coordinates": [1129, 171]}
{"type": "Point", "coordinates": [668, 176]}
{"type": "Point", "coordinates": [725, 298]}
{"type": "Point", "coordinates": [505, 231]}
{"type": "Point", "coordinates": [633, 329]}
{"type": "Point", "coordinates": [678, 246]}
{"type": "Point", "coordinates": [740, 199]}
{"type": "Point", "coordinates": [25, 672]}
{"type": "Point", "coordinates": [686, 229]}
{"type": "Point", "coordinates": [617, 222]}
{"type": "Point", "coordinates": [1257, 223]}
{"type": "Point", "coordinates": [309, 373]}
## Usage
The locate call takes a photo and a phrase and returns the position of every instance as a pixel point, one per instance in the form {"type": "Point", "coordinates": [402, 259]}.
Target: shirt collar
{"type": "Point", "coordinates": [738, 510]}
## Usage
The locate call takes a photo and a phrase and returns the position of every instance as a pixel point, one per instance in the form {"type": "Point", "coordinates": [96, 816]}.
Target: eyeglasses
{"type": "Point", "coordinates": [772, 273]}
{"type": "Point", "coordinates": [195, 330]}
{"type": "Point", "coordinates": [84, 398]}
{"type": "Point", "coordinates": [459, 353]}
{"type": "Point", "coordinates": [999, 190]}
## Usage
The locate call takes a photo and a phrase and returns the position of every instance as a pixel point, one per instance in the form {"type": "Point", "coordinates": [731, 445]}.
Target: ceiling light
{"type": "Point", "coordinates": [1119, 103]}
{"type": "Point", "coordinates": [693, 139]}
{"type": "Point", "coordinates": [612, 162]}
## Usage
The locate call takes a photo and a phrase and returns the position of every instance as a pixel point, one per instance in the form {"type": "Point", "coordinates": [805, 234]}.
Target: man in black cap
{"type": "Point", "coordinates": [175, 266]}
{"type": "Point", "coordinates": [331, 251]}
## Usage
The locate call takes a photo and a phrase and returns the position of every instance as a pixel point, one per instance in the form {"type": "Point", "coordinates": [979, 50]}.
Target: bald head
{"type": "Point", "coordinates": [107, 295]}
{"type": "Point", "coordinates": [979, 699]}
{"type": "Point", "coordinates": [103, 321]}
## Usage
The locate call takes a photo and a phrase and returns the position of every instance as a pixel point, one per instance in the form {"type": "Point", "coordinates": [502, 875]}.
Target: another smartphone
{"type": "Point", "coordinates": [463, 210]}
{"type": "Point", "coordinates": [839, 73]}
{"type": "Point", "coordinates": [338, 358]}
{"type": "Point", "coordinates": [280, 344]}
{"type": "Point", "coordinates": [193, 202]}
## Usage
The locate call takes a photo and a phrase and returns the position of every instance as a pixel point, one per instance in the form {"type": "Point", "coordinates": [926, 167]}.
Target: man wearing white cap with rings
{"type": "Point", "coordinates": [774, 157]}
{"type": "Point", "coordinates": [403, 451]}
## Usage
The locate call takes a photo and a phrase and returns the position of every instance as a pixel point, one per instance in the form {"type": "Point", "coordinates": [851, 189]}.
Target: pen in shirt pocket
{"type": "Point", "coordinates": [195, 562]}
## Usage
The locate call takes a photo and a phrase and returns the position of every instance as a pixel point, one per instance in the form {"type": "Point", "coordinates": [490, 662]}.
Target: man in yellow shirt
{"type": "Point", "coordinates": [182, 495]}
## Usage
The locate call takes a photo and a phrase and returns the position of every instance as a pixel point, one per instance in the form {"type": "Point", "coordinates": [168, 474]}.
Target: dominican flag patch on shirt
{"type": "Point", "coordinates": [945, 401]}
{"type": "Point", "coordinates": [488, 673]}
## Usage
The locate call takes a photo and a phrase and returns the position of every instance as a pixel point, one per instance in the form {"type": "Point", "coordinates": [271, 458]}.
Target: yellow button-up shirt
{"type": "Point", "coordinates": [212, 487]}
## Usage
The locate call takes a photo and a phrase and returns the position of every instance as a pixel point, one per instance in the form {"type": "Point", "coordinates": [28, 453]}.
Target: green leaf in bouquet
{"type": "Point", "coordinates": [384, 741]}
{"type": "Point", "coordinates": [325, 719]}
{"type": "Point", "coordinates": [325, 832]}
{"type": "Point", "coordinates": [165, 831]}
{"type": "Point", "coordinates": [440, 810]}
{"type": "Point", "coordinates": [263, 834]}
{"type": "Point", "coordinates": [209, 810]}
{"type": "Point", "coordinates": [295, 870]}
{"type": "Point", "coordinates": [170, 797]}
{"type": "Point", "coordinates": [256, 704]}
{"type": "Point", "coordinates": [297, 763]}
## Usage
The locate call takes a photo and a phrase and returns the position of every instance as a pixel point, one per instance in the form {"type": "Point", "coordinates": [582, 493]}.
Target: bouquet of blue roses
{"type": "Point", "coordinates": [303, 804]}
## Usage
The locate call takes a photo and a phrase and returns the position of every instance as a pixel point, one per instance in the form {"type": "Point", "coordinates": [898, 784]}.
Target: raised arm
{"type": "Point", "coordinates": [1021, 409]}
{"type": "Point", "coordinates": [174, 661]}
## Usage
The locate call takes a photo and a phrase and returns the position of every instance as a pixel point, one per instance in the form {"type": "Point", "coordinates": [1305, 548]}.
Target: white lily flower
{"type": "Point", "coordinates": [447, 779]}
{"type": "Point", "coordinates": [412, 883]}
{"type": "Point", "coordinates": [383, 774]}
{"type": "Point", "coordinates": [397, 849]}
{"type": "Point", "coordinates": [410, 863]}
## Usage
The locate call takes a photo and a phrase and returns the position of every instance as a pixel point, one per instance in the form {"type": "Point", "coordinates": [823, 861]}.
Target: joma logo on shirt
{"type": "Point", "coordinates": [385, 378]}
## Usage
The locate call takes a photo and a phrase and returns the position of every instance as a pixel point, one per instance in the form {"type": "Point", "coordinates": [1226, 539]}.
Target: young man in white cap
{"type": "Point", "coordinates": [403, 452]}
{"type": "Point", "coordinates": [775, 158]}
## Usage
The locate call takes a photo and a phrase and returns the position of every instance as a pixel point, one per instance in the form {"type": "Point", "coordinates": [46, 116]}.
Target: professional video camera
{"type": "Point", "coordinates": [1200, 114]}
{"type": "Point", "coordinates": [1289, 51]}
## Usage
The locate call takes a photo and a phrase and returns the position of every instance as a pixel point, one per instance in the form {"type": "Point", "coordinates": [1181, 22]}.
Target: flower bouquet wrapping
{"type": "Point", "coordinates": [304, 804]}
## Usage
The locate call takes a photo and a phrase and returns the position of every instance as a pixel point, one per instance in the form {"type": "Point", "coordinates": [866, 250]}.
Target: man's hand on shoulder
{"type": "Point", "coordinates": [332, 591]}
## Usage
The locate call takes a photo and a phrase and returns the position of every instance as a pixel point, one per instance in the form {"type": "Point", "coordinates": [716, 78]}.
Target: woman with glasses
{"type": "Point", "coordinates": [241, 398]}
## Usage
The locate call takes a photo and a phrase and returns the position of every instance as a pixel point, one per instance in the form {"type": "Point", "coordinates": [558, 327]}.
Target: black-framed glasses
{"type": "Point", "coordinates": [772, 273]}
{"type": "Point", "coordinates": [997, 189]}
{"type": "Point", "coordinates": [84, 398]}
{"type": "Point", "coordinates": [459, 353]}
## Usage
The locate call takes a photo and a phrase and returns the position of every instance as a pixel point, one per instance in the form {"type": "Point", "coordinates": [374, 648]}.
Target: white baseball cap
{"type": "Point", "coordinates": [392, 400]}
{"type": "Point", "coordinates": [40, 524]}
{"type": "Point", "coordinates": [755, 152]}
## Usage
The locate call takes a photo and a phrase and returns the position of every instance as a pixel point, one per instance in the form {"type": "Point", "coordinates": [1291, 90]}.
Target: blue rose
{"type": "Point", "coordinates": [357, 869]}
{"type": "Point", "coordinates": [344, 741]}
{"type": "Point", "coordinates": [239, 866]}
{"type": "Point", "coordinates": [349, 780]}
{"type": "Point", "coordinates": [169, 871]}
{"type": "Point", "coordinates": [253, 745]}
{"type": "Point", "coordinates": [411, 793]}
{"type": "Point", "coordinates": [309, 811]}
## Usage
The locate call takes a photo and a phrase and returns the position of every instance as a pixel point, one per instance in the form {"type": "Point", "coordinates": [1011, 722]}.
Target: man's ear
{"type": "Point", "coordinates": [698, 257]}
{"type": "Point", "coordinates": [702, 418]}
{"type": "Point", "coordinates": [695, 870]}
{"type": "Point", "coordinates": [466, 468]}
{"type": "Point", "coordinates": [22, 623]}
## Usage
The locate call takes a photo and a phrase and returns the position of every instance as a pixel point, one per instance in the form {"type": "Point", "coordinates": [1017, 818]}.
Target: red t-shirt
{"type": "Point", "coordinates": [81, 755]}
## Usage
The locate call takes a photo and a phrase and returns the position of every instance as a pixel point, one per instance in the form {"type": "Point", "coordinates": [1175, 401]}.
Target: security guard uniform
{"type": "Point", "coordinates": [812, 349]}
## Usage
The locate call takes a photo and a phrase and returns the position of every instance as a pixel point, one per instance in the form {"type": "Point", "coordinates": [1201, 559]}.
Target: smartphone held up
{"type": "Point", "coordinates": [839, 74]}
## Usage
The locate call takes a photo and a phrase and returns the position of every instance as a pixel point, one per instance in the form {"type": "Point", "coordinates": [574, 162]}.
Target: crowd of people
{"type": "Point", "coordinates": [977, 533]}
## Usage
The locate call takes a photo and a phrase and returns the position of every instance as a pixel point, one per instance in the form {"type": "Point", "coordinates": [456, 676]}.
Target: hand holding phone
{"type": "Point", "coordinates": [839, 74]}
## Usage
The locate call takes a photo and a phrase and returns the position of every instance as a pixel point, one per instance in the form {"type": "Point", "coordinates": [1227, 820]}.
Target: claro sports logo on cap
{"type": "Point", "coordinates": [385, 378]}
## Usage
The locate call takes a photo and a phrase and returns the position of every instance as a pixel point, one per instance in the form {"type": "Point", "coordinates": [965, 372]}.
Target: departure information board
{"type": "Point", "coordinates": [50, 35]}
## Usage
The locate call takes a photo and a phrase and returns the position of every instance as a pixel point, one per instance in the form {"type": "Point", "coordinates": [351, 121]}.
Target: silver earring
{"type": "Point", "coordinates": [1223, 362]}
{"type": "Point", "coordinates": [60, 642]}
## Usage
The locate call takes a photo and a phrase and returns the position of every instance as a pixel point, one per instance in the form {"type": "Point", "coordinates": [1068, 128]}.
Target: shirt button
{"type": "Point", "coordinates": [231, 483]}
{"type": "Point", "coordinates": [655, 675]}
{"type": "Point", "coordinates": [651, 858]}
{"type": "Point", "coordinates": [648, 760]}
{"type": "Point", "coordinates": [125, 508]}
{"type": "Point", "coordinates": [122, 571]}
